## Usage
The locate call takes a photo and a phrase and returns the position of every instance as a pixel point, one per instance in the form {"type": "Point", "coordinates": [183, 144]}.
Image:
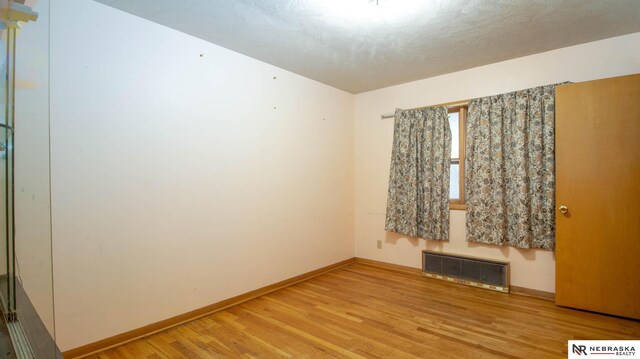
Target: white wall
{"type": "Point", "coordinates": [180, 180]}
{"type": "Point", "coordinates": [529, 268]}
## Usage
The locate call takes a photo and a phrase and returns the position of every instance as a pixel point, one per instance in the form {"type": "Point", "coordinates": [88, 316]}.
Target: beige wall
{"type": "Point", "coordinates": [529, 268]}
{"type": "Point", "coordinates": [180, 180]}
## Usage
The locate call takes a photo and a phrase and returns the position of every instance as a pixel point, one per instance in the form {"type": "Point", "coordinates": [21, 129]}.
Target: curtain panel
{"type": "Point", "coordinates": [418, 197]}
{"type": "Point", "coordinates": [510, 169]}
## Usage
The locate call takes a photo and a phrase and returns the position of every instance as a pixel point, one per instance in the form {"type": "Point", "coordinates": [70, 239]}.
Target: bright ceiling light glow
{"type": "Point", "coordinates": [358, 12]}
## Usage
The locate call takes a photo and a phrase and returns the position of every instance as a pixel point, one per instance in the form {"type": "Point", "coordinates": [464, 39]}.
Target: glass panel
{"type": "Point", "coordinates": [33, 219]}
{"type": "Point", "coordinates": [454, 181]}
{"type": "Point", "coordinates": [9, 218]}
{"type": "Point", "coordinates": [455, 134]}
{"type": "Point", "coordinates": [7, 226]}
{"type": "Point", "coordinates": [4, 263]}
{"type": "Point", "coordinates": [32, 253]}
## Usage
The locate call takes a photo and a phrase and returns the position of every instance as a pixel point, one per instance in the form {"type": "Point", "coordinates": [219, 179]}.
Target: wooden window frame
{"type": "Point", "coordinates": [459, 203]}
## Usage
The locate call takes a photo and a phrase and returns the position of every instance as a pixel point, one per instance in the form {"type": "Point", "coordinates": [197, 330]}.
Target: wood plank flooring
{"type": "Point", "coordinates": [362, 311]}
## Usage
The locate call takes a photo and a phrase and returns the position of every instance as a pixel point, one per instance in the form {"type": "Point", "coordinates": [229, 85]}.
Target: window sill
{"type": "Point", "coordinates": [457, 206]}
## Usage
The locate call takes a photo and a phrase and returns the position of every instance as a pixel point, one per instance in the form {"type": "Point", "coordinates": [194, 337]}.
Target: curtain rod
{"type": "Point", "coordinates": [447, 105]}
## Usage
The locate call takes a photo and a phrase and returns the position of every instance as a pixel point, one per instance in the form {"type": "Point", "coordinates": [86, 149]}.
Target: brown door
{"type": "Point", "coordinates": [598, 181]}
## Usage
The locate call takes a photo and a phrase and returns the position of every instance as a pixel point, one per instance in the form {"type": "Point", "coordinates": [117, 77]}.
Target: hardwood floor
{"type": "Point", "coordinates": [362, 311]}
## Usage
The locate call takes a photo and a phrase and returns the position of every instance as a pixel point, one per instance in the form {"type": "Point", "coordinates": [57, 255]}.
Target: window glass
{"type": "Point", "coordinates": [457, 124]}
{"type": "Point", "coordinates": [454, 181]}
{"type": "Point", "coordinates": [455, 134]}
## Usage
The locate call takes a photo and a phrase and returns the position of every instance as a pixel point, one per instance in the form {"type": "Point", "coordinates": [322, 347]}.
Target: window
{"type": "Point", "coordinates": [458, 124]}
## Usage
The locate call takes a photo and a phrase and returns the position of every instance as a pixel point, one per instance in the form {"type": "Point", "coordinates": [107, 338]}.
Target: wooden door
{"type": "Point", "coordinates": [598, 180]}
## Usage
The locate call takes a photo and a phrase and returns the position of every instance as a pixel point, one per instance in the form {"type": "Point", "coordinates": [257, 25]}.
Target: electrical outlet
{"type": "Point", "coordinates": [379, 244]}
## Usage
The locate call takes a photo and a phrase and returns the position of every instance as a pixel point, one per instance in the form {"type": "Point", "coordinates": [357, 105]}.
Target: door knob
{"type": "Point", "coordinates": [564, 209]}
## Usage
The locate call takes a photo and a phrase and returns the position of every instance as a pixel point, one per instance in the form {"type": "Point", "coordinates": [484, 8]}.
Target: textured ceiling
{"type": "Point", "coordinates": [357, 46]}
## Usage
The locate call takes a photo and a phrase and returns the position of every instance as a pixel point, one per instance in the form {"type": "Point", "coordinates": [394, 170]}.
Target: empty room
{"type": "Point", "coordinates": [320, 179]}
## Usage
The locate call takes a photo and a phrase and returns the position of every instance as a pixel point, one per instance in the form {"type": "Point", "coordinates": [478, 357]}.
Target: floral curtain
{"type": "Point", "coordinates": [509, 169]}
{"type": "Point", "coordinates": [418, 198]}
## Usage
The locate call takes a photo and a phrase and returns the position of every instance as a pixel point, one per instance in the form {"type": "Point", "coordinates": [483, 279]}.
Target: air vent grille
{"type": "Point", "coordinates": [477, 272]}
